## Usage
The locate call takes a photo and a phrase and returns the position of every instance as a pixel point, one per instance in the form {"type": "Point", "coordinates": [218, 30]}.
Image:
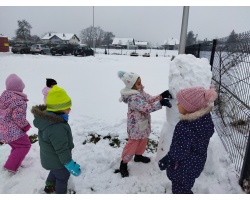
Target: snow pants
{"type": "Point", "coordinates": [19, 149]}
{"type": "Point", "coordinates": [59, 178]}
{"type": "Point", "coordinates": [134, 147]}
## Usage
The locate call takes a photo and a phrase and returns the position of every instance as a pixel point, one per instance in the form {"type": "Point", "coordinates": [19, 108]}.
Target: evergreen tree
{"type": "Point", "coordinates": [23, 31]}
{"type": "Point", "coordinates": [108, 38]}
{"type": "Point", "coordinates": [191, 38]}
{"type": "Point", "coordinates": [232, 38]}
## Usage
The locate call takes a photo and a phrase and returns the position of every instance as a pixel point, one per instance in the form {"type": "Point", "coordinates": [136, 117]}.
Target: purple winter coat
{"type": "Point", "coordinates": [13, 106]}
{"type": "Point", "coordinates": [140, 105]}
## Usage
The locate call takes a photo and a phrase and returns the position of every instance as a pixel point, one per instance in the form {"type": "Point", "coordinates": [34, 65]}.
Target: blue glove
{"type": "Point", "coordinates": [165, 102]}
{"type": "Point", "coordinates": [73, 168]}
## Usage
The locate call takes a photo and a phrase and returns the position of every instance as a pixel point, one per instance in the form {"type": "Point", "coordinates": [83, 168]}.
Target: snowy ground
{"type": "Point", "coordinates": [94, 87]}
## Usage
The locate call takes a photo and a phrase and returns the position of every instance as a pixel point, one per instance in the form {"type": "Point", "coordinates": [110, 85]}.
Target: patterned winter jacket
{"type": "Point", "coordinates": [140, 105]}
{"type": "Point", "coordinates": [188, 151]}
{"type": "Point", "coordinates": [55, 138]}
{"type": "Point", "coordinates": [13, 106]}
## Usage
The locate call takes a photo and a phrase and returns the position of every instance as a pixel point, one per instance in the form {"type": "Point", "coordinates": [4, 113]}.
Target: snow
{"type": "Point", "coordinates": [94, 87]}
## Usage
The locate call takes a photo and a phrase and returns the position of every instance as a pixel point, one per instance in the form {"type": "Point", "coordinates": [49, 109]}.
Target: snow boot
{"type": "Point", "coordinates": [49, 189]}
{"type": "Point", "coordinates": [124, 169]}
{"type": "Point", "coordinates": [141, 158]}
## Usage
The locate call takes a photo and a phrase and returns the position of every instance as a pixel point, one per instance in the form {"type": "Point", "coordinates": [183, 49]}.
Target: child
{"type": "Point", "coordinates": [49, 84]}
{"type": "Point", "coordinates": [188, 151]}
{"type": "Point", "coordinates": [13, 126]}
{"type": "Point", "coordinates": [55, 140]}
{"type": "Point", "coordinates": [140, 105]}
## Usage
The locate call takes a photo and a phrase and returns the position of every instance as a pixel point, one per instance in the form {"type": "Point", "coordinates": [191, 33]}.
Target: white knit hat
{"type": "Point", "coordinates": [129, 78]}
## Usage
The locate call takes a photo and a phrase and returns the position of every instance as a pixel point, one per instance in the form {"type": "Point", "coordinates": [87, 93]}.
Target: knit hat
{"type": "Point", "coordinates": [129, 78]}
{"type": "Point", "coordinates": [14, 83]}
{"type": "Point", "coordinates": [57, 100]}
{"type": "Point", "coordinates": [196, 98]}
{"type": "Point", "coordinates": [50, 82]}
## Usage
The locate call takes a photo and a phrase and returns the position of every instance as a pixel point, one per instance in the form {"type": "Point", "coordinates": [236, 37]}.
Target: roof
{"type": "Point", "coordinates": [141, 43]}
{"type": "Point", "coordinates": [62, 36]}
{"type": "Point", "coordinates": [122, 41]}
{"type": "Point", "coordinates": [171, 41]}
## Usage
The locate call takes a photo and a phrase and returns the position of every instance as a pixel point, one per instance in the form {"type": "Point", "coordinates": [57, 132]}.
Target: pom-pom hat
{"type": "Point", "coordinates": [195, 98]}
{"type": "Point", "coordinates": [50, 82]}
{"type": "Point", "coordinates": [129, 78]}
{"type": "Point", "coordinates": [57, 100]}
{"type": "Point", "coordinates": [14, 83]}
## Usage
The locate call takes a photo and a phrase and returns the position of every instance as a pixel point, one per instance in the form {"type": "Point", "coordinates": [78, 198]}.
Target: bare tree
{"type": "Point", "coordinates": [23, 31]}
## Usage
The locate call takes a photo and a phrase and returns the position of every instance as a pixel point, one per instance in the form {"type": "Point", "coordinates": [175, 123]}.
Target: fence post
{"type": "Point", "coordinates": [212, 53]}
{"type": "Point", "coordinates": [246, 164]}
{"type": "Point", "coordinates": [199, 49]}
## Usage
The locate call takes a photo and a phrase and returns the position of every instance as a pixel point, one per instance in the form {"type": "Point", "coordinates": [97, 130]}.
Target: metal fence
{"type": "Point", "coordinates": [229, 58]}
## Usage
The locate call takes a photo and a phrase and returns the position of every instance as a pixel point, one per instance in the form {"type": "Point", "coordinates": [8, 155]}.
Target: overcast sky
{"type": "Point", "coordinates": [149, 23]}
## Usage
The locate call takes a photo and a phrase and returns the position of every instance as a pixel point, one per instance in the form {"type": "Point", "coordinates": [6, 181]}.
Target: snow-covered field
{"type": "Point", "coordinates": [94, 88]}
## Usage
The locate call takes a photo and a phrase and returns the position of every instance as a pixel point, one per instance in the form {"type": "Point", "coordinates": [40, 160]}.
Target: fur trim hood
{"type": "Point", "coordinates": [40, 111]}
{"type": "Point", "coordinates": [196, 115]}
{"type": "Point", "coordinates": [126, 92]}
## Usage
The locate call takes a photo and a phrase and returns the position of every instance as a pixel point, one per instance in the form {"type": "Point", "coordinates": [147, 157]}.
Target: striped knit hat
{"type": "Point", "coordinates": [196, 98]}
{"type": "Point", "coordinates": [57, 100]}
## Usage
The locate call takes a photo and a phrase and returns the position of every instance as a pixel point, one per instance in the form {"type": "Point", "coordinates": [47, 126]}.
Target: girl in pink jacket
{"type": "Point", "coordinates": [140, 105]}
{"type": "Point", "coordinates": [13, 125]}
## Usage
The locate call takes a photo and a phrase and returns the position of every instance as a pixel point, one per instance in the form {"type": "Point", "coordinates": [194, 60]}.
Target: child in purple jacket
{"type": "Point", "coordinates": [13, 126]}
{"type": "Point", "coordinates": [140, 105]}
{"type": "Point", "coordinates": [188, 151]}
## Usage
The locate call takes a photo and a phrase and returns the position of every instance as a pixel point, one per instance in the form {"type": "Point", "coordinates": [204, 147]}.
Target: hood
{"type": "Point", "coordinates": [43, 119]}
{"type": "Point", "coordinates": [126, 93]}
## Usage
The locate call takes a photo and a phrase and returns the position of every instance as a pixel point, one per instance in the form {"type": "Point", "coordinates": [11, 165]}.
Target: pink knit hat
{"type": "Point", "coordinates": [14, 83]}
{"type": "Point", "coordinates": [196, 98]}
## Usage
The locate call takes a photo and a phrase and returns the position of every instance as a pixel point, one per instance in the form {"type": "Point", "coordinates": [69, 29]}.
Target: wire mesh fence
{"type": "Point", "coordinates": [230, 61]}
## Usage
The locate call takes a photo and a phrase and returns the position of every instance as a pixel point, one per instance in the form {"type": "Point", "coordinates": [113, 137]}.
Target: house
{"type": "Point", "coordinates": [56, 38]}
{"type": "Point", "coordinates": [170, 44]}
{"type": "Point", "coordinates": [141, 45]}
{"type": "Point", "coordinates": [125, 43]}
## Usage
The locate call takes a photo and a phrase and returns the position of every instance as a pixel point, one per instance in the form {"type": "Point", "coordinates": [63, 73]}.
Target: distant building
{"type": "Point", "coordinates": [56, 38]}
{"type": "Point", "coordinates": [141, 45]}
{"type": "Point", "coordinates": [125, 43]}
{"type": "Point", "coordinates": [170, 44]}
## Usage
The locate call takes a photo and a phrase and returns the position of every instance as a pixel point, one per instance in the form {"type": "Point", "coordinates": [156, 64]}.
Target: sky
{"type": "Point", "coordinates": [94, 87]}
{"type": "Point", "coordinates": [153, 23]}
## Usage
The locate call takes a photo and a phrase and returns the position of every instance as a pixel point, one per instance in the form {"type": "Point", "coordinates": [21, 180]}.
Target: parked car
{"type": "Point", "coordinates": [84, 51]}
{"type": "Point", "coordinates": [62, 49]}
{"type": "Point", "coordinates": [134, 54]}
{"type": "Point", "coordinates": [39, 48]}
{"type": "Point", "coordinates": [146, 55]}
{"type": "Point", "coordinates": [20, 48]}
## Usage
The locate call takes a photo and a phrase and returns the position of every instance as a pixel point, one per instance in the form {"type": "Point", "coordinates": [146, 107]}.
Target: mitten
{"type": "Point", "coordinates": [165, 102]}
{"type": "Point", "coordinates": [164, 163]}
{"type": "Point", "coordinates": [166, 94]}
{"type": "Point", "coordinates": [26, 128]}
{"type": "Point", "coordinates": [73, 168]}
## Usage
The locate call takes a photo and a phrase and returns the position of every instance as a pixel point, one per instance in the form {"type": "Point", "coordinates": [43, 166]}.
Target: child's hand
{"type": "Point", "coordinates": [26, 128]}
{"type": "Point", "coordinates": [166, 94]}
{"type": "Point", "coordinates": [73, 168]}
{"type": "Point", "coordinates": [165, 102]}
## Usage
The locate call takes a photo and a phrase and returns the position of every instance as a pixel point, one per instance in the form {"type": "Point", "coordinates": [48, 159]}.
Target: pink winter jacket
{"type": "Point", "coordinates": [13, 106]}
{"type": "Point", "coordinates": [140, 105]}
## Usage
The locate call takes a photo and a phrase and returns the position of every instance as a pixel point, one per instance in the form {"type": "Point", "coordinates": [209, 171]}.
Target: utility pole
{"type": "Point", "coordinates": [94, 28]}
{"type": "Point", "coordinates": [184, 26]}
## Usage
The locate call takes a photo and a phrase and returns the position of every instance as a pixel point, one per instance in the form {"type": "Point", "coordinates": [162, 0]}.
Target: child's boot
{"type": "Point", "coordinates": [49, 188]}
{"type": "Point", "coordinates": [124, 169]}
{"type": "Point", "coordinates": [141, 158]}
